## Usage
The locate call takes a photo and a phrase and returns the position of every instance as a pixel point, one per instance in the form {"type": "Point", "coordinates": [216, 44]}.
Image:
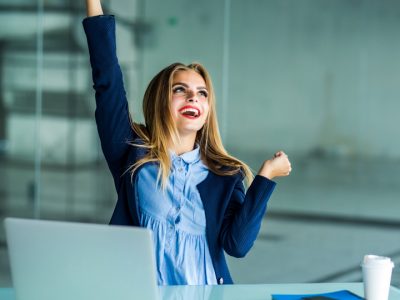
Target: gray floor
{"type": "Point", "coordinates": [320, 221]}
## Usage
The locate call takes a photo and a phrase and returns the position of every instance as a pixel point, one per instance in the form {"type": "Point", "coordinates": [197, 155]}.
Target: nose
{"type": "Point", "coordinates": [191, 96]}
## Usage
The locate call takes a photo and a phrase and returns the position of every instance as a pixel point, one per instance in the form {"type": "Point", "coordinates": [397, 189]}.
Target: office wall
{"type": "Point", "coordinates": [311, 76]}
{"type": "Point", "coordinates": [306, 76]}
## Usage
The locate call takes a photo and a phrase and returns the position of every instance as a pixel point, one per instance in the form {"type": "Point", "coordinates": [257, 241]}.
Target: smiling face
{"type": "Point", "coordinates": [189, 103]}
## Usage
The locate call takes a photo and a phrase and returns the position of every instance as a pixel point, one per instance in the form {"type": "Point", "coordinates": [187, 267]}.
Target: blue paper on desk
{"type": "Point", "coordinates": [338, 295]}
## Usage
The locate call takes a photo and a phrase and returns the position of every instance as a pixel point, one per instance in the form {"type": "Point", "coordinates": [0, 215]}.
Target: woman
{"type": "Point", "coordinates": [172, 174]}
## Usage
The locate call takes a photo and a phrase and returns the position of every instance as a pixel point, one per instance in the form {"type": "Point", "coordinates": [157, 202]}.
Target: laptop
{"type": "Point", "coordinates": [64, 260]}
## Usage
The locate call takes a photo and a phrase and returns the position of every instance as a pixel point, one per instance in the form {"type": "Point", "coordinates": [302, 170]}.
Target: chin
{"type": "Point", "coordinates": [190, 129]}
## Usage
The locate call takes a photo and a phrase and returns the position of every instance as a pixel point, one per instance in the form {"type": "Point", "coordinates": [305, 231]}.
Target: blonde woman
{"type": "Point", "coordinates": [172, 174]}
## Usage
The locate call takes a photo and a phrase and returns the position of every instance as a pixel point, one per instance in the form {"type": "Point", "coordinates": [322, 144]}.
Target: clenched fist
{"type": "Point", "coordinates": [277, 166]}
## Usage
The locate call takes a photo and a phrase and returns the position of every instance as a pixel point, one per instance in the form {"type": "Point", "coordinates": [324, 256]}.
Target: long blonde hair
{"type": "Point", "coordinates": [160, 129]}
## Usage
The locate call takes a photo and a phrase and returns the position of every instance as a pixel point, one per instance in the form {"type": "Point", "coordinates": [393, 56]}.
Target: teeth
{"type": "Point", "coordinates": [190, 111]}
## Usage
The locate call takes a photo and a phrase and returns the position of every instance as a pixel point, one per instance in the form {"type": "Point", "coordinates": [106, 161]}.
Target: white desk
{"type": "Point", "coordinates": [243, 292]}
{"type": "Point", "coordinates": [261, 291]}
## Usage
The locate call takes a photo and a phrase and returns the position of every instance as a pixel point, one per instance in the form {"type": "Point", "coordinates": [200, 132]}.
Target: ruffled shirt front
{"type": "Point", "coordinates": [176, 217]}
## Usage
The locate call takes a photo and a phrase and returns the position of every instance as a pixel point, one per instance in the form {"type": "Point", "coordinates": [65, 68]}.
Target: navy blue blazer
{"type": "Point", "coordinates": [233, 216]}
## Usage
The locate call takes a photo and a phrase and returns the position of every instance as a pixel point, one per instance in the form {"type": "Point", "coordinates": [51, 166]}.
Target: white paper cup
{"type": "Point", "coordinates": [377, 273]}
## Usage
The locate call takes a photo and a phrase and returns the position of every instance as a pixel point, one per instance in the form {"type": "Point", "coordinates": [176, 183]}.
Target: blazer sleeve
{"type": "Point", "coordinates": [112, 113]}
{"type": "Point", "coordinates": [244, 214]}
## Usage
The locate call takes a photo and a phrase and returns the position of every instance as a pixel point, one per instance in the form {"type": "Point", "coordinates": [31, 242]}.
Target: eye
{"type": "Point", "coordinates": [178, 90]}
{"type": "Point", "coordinates": [203, 94]}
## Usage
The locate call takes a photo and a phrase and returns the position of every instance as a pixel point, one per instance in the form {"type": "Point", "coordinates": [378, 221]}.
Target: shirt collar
{"type": "Point", "coordinates": [190, 157]}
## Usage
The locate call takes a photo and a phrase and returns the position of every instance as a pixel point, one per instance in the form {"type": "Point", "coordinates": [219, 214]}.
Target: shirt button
{"type": "Point", "coordinates": [220, 280]}
{"type": "Point", "coordinates": [180, 169]}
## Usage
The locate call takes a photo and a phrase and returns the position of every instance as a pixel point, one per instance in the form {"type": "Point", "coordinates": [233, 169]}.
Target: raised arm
{"type": "Point", "coordinates": [112, 114]}
{"type": "Point", "coordinates": [93, 8]}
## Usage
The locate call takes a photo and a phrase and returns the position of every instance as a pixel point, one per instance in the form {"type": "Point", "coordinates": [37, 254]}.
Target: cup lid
{"type": "Point", "coordinates": [375, 260]}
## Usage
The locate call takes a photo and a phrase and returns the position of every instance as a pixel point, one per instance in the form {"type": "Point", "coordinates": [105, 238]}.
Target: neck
{"type": "Point", "coordinates": [186, 144]}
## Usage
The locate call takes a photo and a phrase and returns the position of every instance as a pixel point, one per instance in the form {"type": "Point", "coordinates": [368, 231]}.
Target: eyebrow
{"type": "Point", "coordinates": [185, 85]}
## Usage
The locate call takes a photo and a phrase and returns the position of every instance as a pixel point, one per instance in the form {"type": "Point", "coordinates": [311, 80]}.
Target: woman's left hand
{"type": "Point", "coordinates": [277, 166]}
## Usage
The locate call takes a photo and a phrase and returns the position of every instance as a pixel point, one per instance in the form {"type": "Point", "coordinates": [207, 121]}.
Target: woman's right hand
{"type": "Point", "coordinates": [277, 166]}
{"type": "Point", "coordinates": [93, 8]}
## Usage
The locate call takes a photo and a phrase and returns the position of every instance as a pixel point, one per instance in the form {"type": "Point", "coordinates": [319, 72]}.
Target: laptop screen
{"type": "Point", "coordinates": [65, 260]}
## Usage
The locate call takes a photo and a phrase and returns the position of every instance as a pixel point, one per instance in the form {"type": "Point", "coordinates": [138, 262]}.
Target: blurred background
{"type": "Point", "coordinates": [319, 79]}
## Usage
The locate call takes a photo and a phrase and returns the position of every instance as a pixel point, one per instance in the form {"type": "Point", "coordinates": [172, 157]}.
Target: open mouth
{"type": "Point", "coordinates": [190, 112]}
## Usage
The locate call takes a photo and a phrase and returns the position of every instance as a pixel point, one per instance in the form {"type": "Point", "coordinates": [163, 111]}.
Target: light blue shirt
{"type": "Point", "coordinates": [176, 217]}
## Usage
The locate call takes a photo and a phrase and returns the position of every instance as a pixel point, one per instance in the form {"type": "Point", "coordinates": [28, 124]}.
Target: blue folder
{"type": "Point", "coordinates": [338, 295]}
